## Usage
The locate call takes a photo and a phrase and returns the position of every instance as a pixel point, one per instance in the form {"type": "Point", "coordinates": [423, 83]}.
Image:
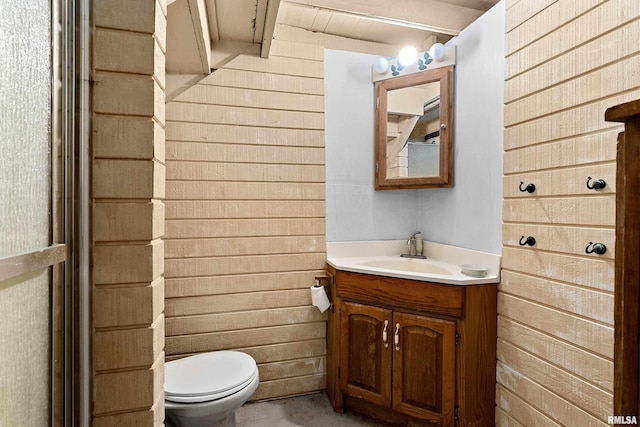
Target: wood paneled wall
{"type": "Point", "coordinates": [245, 216]}
{"type": "Point", "coordinates": [127, 187]}
{"type": "Point", "coordinates": [566, 62]}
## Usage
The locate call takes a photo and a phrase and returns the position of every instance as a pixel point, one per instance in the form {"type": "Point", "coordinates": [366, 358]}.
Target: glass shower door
{"type": "Point", "coordinates": [30, 255]}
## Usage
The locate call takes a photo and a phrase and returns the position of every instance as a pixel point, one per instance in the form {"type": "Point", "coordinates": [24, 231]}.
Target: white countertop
{"type": "Point", "coordinates": [353, 257]}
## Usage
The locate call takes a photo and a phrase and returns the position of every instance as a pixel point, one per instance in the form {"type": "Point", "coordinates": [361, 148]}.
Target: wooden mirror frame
{"type": "Point", "coordinates": [443, 75]}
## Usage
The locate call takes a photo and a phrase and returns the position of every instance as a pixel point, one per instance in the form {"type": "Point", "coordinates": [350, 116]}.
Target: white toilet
{"type": "Point", "coordinates": [206, 389]}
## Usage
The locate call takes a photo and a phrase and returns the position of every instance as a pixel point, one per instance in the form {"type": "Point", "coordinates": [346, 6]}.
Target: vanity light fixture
{"type": "Point", "coordinates": [381, 65]}
{"type": "Point", "coordinates": [409, 61]}
{"type": "Point", "coordinates": [436, 52]}
{"type": "Point", "coordinates": [407, 55]}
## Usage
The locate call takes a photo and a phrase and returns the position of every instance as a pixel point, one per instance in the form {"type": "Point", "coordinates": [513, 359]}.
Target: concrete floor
{"type": "Point", "coordinates": [313, 410]}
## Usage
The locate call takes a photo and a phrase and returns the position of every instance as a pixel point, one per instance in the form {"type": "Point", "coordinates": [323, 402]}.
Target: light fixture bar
{"type": "Point", "coordinates": [376, 18]}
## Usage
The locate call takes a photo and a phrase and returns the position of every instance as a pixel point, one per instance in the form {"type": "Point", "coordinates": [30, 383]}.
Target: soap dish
{"type": "Point", "coordinates": [473, 270]}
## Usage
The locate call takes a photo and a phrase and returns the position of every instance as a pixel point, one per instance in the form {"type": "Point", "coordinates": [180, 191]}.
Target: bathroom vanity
{"type": "Point", "coordinates": [409, 350]}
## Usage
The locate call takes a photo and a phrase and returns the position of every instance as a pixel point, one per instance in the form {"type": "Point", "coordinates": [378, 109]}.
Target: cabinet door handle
{"type": "Point", "coordinates": [385, 341]}
{"type": "Point", "coordinates": [396, 337]}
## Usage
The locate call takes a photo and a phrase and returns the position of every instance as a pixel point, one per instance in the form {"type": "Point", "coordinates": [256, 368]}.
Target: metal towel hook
{"type": "Point", "coordinates": [530, 188]}
{"type": "Point", "coordinates": [598, 248]}
{"type": "Point", "coordinates": [598, 184]}
{"type": "Point", "coordinates": [529, 241]}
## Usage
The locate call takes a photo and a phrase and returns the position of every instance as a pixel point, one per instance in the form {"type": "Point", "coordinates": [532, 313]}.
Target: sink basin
{"type": "Point", "coordinates": [407, 264]}
{"type": "Point", "coordinates": [443, 264]}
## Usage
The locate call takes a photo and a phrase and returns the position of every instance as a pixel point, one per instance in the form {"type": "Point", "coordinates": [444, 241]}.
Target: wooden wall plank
{"type": "Point", "coordinates": [565, 124]}
{"type": "Point", "coordinates": [563, 182]}
{"type": "Point", "coordinates": [281, 351]}
{"type": "Point", "coordinates": [198, 324]}
{"type": "Point", "coordinates": [563, 383]}
{"type": "Point", "coordinates": [547, 20]}
{"type": "Point", "coordinates": [584, 333]}
{"type": "Point", "coordinates": [185, 248]}
{"type": "Point", "coordinates": [595, 211]}
{"type": "Point", "coordinates": [246, 216]}
{"type": "Point", "coordinates": [290, 386]}
{"type": "Point", "coordinates": [191, 267]}
{"type": "Point", "coordinates": [203, 132]}
{"type": "Point", "coordinates": [292, 49]}
{"type": "Point", "coordinates": [588, 366]}
{"type": "Point", "coordinates": [600, 83]}
{"type": "Point", "coordinates": [244, 338]}
{"type": "Point", "coordinates": [190, 190]}
{"type": "Point", "coordinates": [575, 62]}
{"type": "Point", "coordinates": [581, 150]}
{"type": "Point", "coordinates": [215, 285]}
{"type": "Point", "coordinates": [278, 65]}
{"type": "Point", "coordinates": [600, 20]}
{"type": "Point", "coordinates": [248, 301]}
{"type": "Point", "coordinates": [209, 171]}
{"type": "Point", "coordinates": [585, 302]}
{"type": "Point", "coordinates": [555, 406]}
{"type": "Point", "coordinates": [242, 116]}
{"type": "Point", "coordinates": [568, 240]}
{"type": "Point", "coordinates": [244, 154]}
{"type": "Point", "coordinates": [505, 420]}
{"type": "Point", "coordinates": [249, 227]}
{"type": "Point", "coordinates": [242, 97]}
{"type": "Point", "coordinates": [524, 413]}
{"type": "Point", "coordinates": [287, 351]}
{"type": "Point", "coordinates": [510, 3]}
{"type": "Point", "coordinates": [522, 11]}
{"type": "Point", "coordinates": [292, 368]}
{"type": "Point", "coordinates": [585, 271]}
{"type": "Point", "coordinates": [258, 80]}
{"type": "Point", "coordinates": [211, 209]}
{"type": "Point", "coordinates": [231, 303]}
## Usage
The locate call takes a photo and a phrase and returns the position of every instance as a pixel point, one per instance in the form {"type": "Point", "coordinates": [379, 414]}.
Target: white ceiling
{"type": "Point", "coordinates": [383, 21]}
{"type": "Point", "coordinates": [237, 25]}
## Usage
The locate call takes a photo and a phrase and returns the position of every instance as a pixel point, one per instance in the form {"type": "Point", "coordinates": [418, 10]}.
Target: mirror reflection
{"type": "Point", "coordinates": [414, 123]}
{"type": "Point", "coordinates": [413, 131]}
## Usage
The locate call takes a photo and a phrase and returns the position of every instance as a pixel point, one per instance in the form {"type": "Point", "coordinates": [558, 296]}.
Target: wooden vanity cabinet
{"type": "Point", "coordinates": [411, 352]}
{"type": "Point", "coordinates": [366, 355]}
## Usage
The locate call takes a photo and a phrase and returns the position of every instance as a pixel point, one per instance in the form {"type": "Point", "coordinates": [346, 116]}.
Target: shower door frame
{"type": "Point", "coordinates": [67, 254]}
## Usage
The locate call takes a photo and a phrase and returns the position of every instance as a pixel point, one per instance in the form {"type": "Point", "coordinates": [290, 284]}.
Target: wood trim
{"type": "Point", "coordinates": [333, 344]}
{"type": "Point", "coordinates": [405, 294]}
{"type": "Point", "coordinates": [20, 264]}
{"type": "Point", "coordinates": [627, 270]}
{"type": "Point", "coordinates": [445, 178]}
{"type": "Point", "coordinates": [271, 16]}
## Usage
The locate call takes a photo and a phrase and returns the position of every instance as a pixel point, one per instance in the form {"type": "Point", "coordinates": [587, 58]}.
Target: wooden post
{"type": "Point", "coordinates": [627, 262]}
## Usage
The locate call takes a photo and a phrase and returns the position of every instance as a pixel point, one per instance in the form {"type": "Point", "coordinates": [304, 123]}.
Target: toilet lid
{"type": "Point", "coordinates": [208, 376]}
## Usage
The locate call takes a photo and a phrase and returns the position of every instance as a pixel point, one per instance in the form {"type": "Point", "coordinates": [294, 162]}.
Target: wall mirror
{"type": "Point", "coordinates": [414, 130]}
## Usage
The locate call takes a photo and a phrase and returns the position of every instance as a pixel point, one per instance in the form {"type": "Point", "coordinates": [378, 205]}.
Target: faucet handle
{"type": "Point", "coordinates": [414, 235]}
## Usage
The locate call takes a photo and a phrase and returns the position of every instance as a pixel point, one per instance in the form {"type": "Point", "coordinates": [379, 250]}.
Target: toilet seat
{"type": "Point", "coordinates": [209, 376]}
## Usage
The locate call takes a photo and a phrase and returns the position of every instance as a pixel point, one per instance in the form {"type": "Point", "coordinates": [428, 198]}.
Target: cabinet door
{"type": "Point", "coordinates": [365, 356]}
{"type": "Point", "coordinates": [424, 367]}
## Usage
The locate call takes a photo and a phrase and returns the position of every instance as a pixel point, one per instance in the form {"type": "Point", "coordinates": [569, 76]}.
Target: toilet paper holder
{"type": "Point", "coordinates": [329, 280]}
{"type": "Point", "coordinates": [324, 278]}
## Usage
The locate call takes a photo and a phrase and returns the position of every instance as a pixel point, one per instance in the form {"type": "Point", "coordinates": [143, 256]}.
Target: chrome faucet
{"type": "Point", "coordinates": [413, 252]}
{"type": "Point", "coordinates": [412, 244]}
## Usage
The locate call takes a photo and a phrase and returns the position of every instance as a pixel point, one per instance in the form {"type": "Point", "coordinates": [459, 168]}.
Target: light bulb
{"type": "Point", "coordinates": [407, 55]}
{"type": "Point", "coordinates": [381, 65]}
{"type": "Point", "coordinates": [437, 52]}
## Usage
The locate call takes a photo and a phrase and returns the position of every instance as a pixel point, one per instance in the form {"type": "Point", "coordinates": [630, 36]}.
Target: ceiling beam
{"type": "Point", "coordinates": [201, 30]}
{"type": "Point", "coordinates": [426, 15]}
{"type": "Point", "coordinates": [269, 26]}
{"type": "Point", "coordinates": [188, 40]}
{"type": "Point", "coordinates": [212, 17]}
